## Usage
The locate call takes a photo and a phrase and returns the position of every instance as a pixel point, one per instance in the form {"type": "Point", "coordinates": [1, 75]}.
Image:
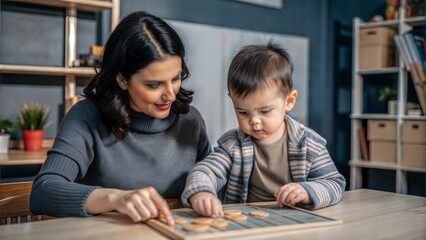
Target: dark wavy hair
{"type": "Point", "coordinates": [260, 66]}
{"type": "Point", "coordinates": [138, 40]}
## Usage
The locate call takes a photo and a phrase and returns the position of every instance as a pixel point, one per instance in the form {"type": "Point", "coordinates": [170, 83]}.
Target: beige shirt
{"type": "Point", "coordinates": [270, 170]}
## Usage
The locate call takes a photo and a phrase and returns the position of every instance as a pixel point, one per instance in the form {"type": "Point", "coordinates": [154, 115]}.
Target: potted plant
{"type": "Point", "coordinates": [388, 94]}
{"type": "Point", "coordinates": [32, 119]}
{"type": "Point", "coordinates": [6, 127]}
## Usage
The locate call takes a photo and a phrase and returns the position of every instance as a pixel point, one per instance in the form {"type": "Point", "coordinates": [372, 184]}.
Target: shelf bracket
{"type": "Point", "coordinates": [70, 36]}
{"type": "Point", "coordinates": [405, 28]}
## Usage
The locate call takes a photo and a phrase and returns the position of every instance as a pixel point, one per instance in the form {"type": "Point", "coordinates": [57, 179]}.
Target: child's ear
{"type": "Point", "coordinates": [291, 100]}
{"type": "Point", "coordinates": [122, 83]}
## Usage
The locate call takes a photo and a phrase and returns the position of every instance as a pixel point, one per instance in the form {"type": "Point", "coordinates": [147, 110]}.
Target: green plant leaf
{"type": "Point", "coordinates": [387, 94]}
{"type": "Point", "coordinates": [6, 126]}
{"type": "Point", "coordinates": [33, 116]}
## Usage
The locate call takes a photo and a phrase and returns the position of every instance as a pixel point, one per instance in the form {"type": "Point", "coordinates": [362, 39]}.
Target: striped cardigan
{"type": "Point", "coordinates": [228, 168]}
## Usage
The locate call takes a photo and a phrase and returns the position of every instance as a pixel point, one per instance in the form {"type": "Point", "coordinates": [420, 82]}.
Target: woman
{"type": "Point", "coordinates": [132, 141]}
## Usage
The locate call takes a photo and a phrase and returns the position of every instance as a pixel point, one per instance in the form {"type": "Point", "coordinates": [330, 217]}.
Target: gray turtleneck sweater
{"type": "Point", "coordinates": [86, 156]}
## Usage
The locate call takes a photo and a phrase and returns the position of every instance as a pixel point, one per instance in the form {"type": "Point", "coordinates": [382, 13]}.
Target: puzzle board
{"type": "Point", "coordinates": [279, 219]}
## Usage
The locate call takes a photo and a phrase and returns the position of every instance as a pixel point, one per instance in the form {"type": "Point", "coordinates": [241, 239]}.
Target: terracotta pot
{"type": "Point", "coordinates": [33, 139]}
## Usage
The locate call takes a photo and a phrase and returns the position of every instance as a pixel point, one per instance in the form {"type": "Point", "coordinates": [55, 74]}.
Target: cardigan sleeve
{"type": "Point", "coordinates": [325, 185]}
{"type": "Point", "coordinates": [209, 175]}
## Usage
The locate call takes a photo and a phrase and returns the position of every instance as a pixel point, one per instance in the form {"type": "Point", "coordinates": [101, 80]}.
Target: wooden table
{"type": "Point", "coordinates": [20, 157]}
{"type": "Point", "coordinates": [366, 214]}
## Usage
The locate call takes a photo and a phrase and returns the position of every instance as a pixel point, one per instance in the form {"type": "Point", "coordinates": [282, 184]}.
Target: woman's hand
{"type": "Point", "coordinates": [139, 205]}
{"type": "Point", "coordinates": [206, 204]}
{"type": "Point", "coordinates": [292, 193]}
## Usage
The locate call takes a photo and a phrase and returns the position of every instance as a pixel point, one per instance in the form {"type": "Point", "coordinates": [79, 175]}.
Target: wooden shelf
{"type": "Point", "coordinates": [384, 165]}
{"type": "Point", "coordinates": [46, 70]}
{"type": "Point", "coordinates": [83, 5]}
{"type": "Point", "coordinates": [70, 36]}
{"type": "Point", "coordinates": [369, 164]}
{"type": "Point", "coordinates": [413, 21]}
{"type": "Point", "coordinates": [388, 70]}
{"type": "Point", "coordinates": [366, 116]}
{"type": "Point", "coordinates": [415, 118]}
{"type": "Point", "coordinates": [413, 169]}
{"type": "Point", "coordinates": [416, 21]}
{"type": "Point", "coordinates": [386, 23]}
{"type": "Point", "coordinates": [20, 157]}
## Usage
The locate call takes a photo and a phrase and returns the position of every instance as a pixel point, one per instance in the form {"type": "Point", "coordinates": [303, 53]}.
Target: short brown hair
{"type": "Point", "coordinates": [259, 66]}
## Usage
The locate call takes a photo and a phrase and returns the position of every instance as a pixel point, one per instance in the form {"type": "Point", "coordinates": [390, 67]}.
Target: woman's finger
{"type": "Point", "coordinates": [162, 206]}
{"type": "Point", "coordinates": [140, 207]}
{"type": "Point", "coordinates": [131, 211]}
{"type": "Point", "coordinates": [148, 203]}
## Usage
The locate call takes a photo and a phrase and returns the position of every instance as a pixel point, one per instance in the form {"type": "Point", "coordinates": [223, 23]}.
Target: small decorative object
{"type": "Point", "coordinates": [32, 120]}
{"type": "Point", "coordinates": [376, 18]}
{"type": "Point", "coordinates": [389, 95]}
{"type": "Point", "coordinates": [6, 127]}
{"type": "Point", "coordinates": [392, 7]}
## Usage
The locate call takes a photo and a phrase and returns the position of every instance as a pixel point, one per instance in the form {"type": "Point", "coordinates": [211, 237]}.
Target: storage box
{"type": "Point", "coordinates": [381, 130]}
{"type": "Point", "coordinates": [378, 56]}
{"type": "Point", "coordinates": [376, 48]}
{"type": "Point", "coordinates": [383, 151]}
{"type": "Point", "coordinates": [414, 132]}
{"type": "Point", "coordinates": [414, 155]}
{"type": "Point", "coordinates": [414, 144]}
{"type": "Point", "coordinates": [376, 36]}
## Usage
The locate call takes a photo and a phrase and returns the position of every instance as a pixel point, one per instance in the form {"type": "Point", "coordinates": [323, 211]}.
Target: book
{"type": "Point", "coordinates": [402, 51]}
{"type": "Point", "coordinates": [363, 142]}
{"type": "Point", "coordinates": [411, 49]}
{"type": "Point", "coordinates": [420, 43]}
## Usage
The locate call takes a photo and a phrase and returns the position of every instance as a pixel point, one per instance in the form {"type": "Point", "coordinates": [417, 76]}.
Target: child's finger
{"type": "Point", "coordinates": [278, 194]}
{"type": "Point", "coordinates": [216, 208]}
{"type": "Point", "coordinates": [298, 198]}
{"type": "Point", "coordinates": [200, 208]}
{"type": "Point", "coordinates": [207, 207]}
{"type": "Point", "coordinates": [290, 196]}
{"type": "Point", "coordinates": [283, 194]}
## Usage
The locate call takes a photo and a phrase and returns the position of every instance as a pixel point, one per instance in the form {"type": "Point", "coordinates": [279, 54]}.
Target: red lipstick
{"type": "Point", "coordinates": [163, 107]}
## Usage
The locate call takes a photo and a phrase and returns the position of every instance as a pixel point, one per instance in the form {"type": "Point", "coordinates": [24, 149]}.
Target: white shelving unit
{"type": "Point", "coordinates": [402, 25]}
{"type": "Point", "coordinates": [70, 47]}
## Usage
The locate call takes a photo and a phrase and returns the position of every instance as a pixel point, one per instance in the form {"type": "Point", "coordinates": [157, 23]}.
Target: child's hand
{"type": "Point", "coordinates": [292, 193]}
{"type": "Point", "coordinates": [206, 204]}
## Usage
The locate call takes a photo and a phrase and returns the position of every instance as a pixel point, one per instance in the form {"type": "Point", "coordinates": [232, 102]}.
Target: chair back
{"type": "Point", "coordinates": [15, 203]}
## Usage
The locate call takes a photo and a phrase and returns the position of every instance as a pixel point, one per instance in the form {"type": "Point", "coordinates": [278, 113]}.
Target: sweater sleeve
{"type": "Point", "coordinates": [325, 185]}
{"type": "Point", "coordinates": [55, 191]}
{"type": "Point", "coordinates": [209, 175]}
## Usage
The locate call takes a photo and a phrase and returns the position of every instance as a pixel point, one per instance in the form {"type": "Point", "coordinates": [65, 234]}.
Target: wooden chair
{"type": "Point", "coordinates": [15, 203]}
